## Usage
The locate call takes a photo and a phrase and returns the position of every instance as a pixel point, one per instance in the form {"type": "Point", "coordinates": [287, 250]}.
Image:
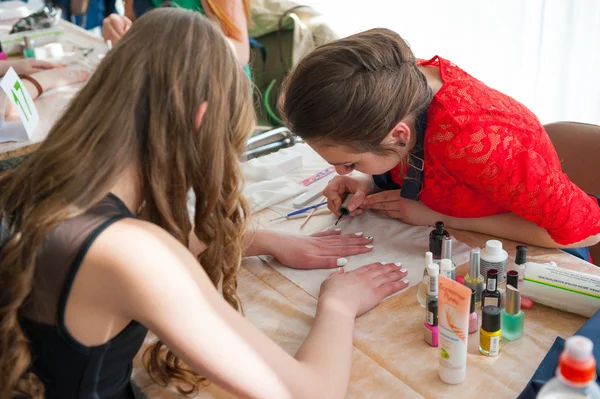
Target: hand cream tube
{"type": "Point", "coordinates": [561, 288]}
{"type": "Point", "coordinates": [454, 302]}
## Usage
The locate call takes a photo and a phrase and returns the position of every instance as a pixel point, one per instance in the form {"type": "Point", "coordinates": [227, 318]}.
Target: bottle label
{"type": "Point", "coordinates": [433, 285]}
{"type": "Point", "coordinates": [491, 284]}
{"type": "Point", "coordinates": [430, 318]}
{"type": "Point", "coordinates": [494, 346]}
{"type": "Point", "coordinates": [491, 301]}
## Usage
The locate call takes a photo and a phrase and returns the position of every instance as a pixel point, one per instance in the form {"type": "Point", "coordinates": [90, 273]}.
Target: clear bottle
{"type": "Point", "coordinates": [447, 254]}
{"type": "Point", "coordinates": [474, 280]}
{"type": "Point", "coordinates": [576, 373]}
{"type": "Point", "coordinates": [422, 290]}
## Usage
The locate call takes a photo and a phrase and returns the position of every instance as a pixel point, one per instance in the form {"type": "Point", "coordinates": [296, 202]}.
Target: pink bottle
{"type": "Point", "coordinates": [473, 319]}
{"type": "Point", "coordinates": [431, 324]}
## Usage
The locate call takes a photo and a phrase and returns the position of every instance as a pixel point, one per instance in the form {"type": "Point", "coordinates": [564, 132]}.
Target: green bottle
{"type": "Point", "coordinates": [513, 318]}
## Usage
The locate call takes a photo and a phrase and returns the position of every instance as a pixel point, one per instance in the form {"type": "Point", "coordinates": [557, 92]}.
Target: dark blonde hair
{"type": "Point", "coordinates": [353, 91]}
{"type": "Point", "coordinates": [139, 106]}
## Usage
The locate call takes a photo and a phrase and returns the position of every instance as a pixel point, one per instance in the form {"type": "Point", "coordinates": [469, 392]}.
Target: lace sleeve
{"type": "Point", "coordinates": [525, 180]}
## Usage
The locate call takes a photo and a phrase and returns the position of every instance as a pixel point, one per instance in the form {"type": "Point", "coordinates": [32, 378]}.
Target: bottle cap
{"type": "Point", "coordinates": [428, 258]}
{"type": "Point", "coordinates": [577, 364]}
{"type": "Point", "coordinates": [439, 227]}
{"type": "Point", "coordinates": [474, 269]}
{"type": "Point", "coordinates": [490, 318]}
{"type": "Point", "coordinates": [445, 265]}
{"type": "Point", "coordinates": [472, 301]}
{"type": "Point", "coordinates": [433, 269]}
{"type": "Point", "coordinates": [512, 278]}
{"type": "Point", "coordinates": [493, 246]}
{"type": "Point", "coordinates": [432, 307]}
{"type": "Point", "coordinates": [513, 300]}
{"type": "Point", "coordinates": [492, 273]}
{"type": "Point", "coordinates": [447, 248]}
{"type": "Point", "coordinates": [521, 257]}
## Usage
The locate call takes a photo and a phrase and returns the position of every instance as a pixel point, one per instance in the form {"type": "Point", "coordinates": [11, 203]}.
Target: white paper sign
{"type": "Point", "coordinates": [15, 91]}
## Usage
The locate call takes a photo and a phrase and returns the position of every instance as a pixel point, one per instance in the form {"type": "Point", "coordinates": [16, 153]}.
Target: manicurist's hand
{"type": "Point", "coordinates": [339, 187]}
{"type": "Point", "coordinates": [360, 290]}
{"type": "Point", "coordinates": [391, 204]}
{"type": "Point", "coordinates": [114, 27]}
{"type": "Point", "coordinates": [324, 250]}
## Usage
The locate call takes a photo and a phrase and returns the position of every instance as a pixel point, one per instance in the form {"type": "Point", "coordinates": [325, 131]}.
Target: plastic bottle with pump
{"type": "Point", "coordinates": [576, 373]}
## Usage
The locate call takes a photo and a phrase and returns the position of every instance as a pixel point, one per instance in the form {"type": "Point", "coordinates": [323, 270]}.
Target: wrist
{"type": "Point", "coordinates": [336, 308]}
{"type": "Point", "coordinates": [259, 242]}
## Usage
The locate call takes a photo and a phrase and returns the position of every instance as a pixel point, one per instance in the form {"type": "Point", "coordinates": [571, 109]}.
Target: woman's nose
{"type": "Point", "coordinates": [342, 170]}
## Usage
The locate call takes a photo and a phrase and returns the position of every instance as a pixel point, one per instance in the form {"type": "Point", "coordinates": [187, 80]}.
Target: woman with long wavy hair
{"type": "Point", "coordinates": [95, 232]}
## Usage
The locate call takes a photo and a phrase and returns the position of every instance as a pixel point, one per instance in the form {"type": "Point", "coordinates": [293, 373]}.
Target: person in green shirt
{"type": "Point", "coordinates": [231, 15]}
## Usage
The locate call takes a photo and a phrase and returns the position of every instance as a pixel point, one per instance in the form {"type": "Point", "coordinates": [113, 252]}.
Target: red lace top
{"type": "Point", "coordinates": [485, 154]}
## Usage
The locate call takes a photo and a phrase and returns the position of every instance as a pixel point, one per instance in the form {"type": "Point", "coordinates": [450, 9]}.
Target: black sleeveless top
{"type": "Point", "coordinates": [68, 368]}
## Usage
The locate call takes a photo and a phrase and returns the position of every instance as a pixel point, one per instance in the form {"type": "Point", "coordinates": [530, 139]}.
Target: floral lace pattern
{"type": "Point", "coordinates": [486, 153]}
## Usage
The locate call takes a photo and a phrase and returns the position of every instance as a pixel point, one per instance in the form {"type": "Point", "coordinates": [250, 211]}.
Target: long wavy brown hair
{"type": "Point", "coordinates": [139, 106]}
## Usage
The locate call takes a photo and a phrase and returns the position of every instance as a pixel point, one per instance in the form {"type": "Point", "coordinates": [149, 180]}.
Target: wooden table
{"type": "Point", "coordinates": [51, 105]}
{"type": "Point", "coordinates": [391, 360]}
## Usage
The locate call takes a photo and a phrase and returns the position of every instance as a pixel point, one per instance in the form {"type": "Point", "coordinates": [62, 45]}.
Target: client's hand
{"type": "Point", "coordinates": [391, 204]}
{"type": "Point", "coordinates": [27, 66]}
{"type": "Point", "coordinates": [114, 27]}
{"type": "Point", "coordinates": [359, 291]}
{"type": "Point", "coordinates": [320, 251]}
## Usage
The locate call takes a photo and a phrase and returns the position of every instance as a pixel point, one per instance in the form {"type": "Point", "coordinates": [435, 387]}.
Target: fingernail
{"type": "Point", "coordinates": [339, 269]}
{"type": "Point", "coordinates": [369, 246]}
{"type": "Point", "coordinates": [338, 230]}
{"type": "Point", "coordinates": [406, 281]}
{"type": "Point", "coordinates": [358, 234]}
{"type": "Point", "coordinates": [403, 270]}
{"type": "Point", "coordinates": [342, 261]}
{"type": "Point", "coordinates": [398, 264]}
{"type": "Point", "coordinates": [383, 263]}
{"type": "Point", "coordinates": [369, 237]}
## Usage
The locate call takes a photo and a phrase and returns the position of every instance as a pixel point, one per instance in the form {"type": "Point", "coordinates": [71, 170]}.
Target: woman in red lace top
{"type": "Point", "coordinates": [459, 150]}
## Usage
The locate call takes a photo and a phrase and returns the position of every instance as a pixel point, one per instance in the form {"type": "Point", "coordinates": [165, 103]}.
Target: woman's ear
{"type": "Point", "coordinates": [200, 114]}
{"type": "Point", "coordinates": [399, 136]}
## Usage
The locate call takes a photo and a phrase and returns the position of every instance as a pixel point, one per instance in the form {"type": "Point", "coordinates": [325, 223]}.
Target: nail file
{"type": "Point", "coordinates": [308, 197]}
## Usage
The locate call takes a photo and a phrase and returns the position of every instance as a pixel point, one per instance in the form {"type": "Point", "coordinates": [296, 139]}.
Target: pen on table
{"type": "Point", "coordinates": [311, 214]}
{"type": "Point", "coordinates": [344, 211]}
{"type": "Point", "coordinates": [299, 211]}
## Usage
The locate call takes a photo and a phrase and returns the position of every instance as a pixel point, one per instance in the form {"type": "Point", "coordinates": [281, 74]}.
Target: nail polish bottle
{"type": "Point", "coordinates": [490, 331]}
{"type": "Point", "coordinates": [2, 53]}
{"type": "Point", "coordinates": [422, 290]}
{"type": "Point", "coordinates": [513, 318]}
{"type": "Point", "coordinates": [431, 324]}
{"type": "Point", "coordinates": [435, 240]}
{"type": "Point", "coordinates": [520, 261]}
{"type": "Point", "coordinates": [447, 254]}
{"type": "Point", "coordinates": [474, 280]}
{"type": "Point", "coordinates": [491, 295]}
{"type": "Point", "coordinates": [473, 319]}
{"type": "Point", "coordinates": [433, 271]}
{"type": "Point", "coordinates": [512, 279]}
{"type": "Point", "coordinates": [29, 48]}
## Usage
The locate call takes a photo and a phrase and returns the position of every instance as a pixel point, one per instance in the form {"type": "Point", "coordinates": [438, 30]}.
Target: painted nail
{"type": "Point", "coordinates": [406, 281]}
{"type": "Point", "coordinates": [369, 238]}
{"type": "Point", "coordinates": [403, 270]}
{"type": "Point", "coordinates": [369, 246]}
{"type": "Point", "coordinates": [358, 234]}
{"type": "Point", "coordinates": [383, 263]}
{"type": "Point", "coordinates": [342, 261]}
{"type": "Point", "coordinates": [398, 264]}
{"type": "Point", "coordinates": [337, 230]}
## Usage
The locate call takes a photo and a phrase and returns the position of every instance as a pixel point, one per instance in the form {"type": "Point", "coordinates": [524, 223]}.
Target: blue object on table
{"type": "Point", "coordinates": [299, 211]}
{"type": "Point", "coordinates": [547, 368]}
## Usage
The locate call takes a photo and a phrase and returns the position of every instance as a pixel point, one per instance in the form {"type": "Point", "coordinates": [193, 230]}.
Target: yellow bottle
{"type": "Point", "coordinates": [490, 332]}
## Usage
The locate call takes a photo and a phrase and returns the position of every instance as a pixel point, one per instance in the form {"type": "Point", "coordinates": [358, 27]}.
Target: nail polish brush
{"type": "Point", "coordinates": [344, 211]}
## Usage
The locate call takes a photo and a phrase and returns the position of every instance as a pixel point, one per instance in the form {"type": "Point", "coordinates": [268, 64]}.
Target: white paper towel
{"type": "Point", "coordinates": [394, 242]}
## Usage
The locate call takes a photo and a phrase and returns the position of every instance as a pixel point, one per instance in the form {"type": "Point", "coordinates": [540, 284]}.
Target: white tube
{"type": "Point", "coordinates": [561, 288]}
